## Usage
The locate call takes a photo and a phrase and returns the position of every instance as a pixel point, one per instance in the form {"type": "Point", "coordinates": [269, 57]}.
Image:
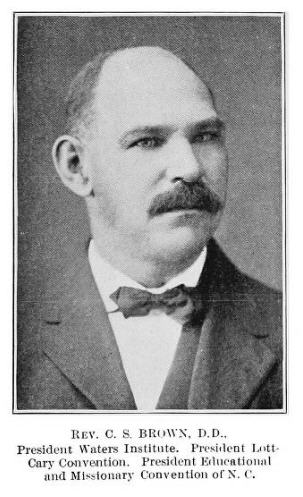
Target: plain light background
{"type": "Point", "coordinates": [239, 57]}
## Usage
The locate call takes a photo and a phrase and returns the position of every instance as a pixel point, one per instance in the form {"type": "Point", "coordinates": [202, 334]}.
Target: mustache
{"type": "Point", "coordinates": [187, 196]}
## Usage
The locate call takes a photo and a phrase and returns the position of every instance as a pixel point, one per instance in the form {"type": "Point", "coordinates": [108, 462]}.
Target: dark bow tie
{"type": "Point", "coordinates": [134, 302]}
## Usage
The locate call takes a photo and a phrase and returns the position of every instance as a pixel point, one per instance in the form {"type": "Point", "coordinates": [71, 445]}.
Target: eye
{"type": "Point", "coordinates": [149, 142]}
{"type": "Point", "coordinates": [207, 136]}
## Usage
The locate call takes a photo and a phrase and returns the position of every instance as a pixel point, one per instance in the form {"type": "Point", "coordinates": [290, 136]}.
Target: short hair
{"type": "Point", "coordinates": [79, 101]}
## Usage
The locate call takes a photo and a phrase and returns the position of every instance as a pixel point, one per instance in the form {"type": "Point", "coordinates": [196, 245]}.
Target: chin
{"type": "Point", "coordinates": [179, 244]}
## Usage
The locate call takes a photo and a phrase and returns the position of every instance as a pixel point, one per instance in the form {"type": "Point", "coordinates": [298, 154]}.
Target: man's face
{"type": "Point", "coordinates": [156, 139]}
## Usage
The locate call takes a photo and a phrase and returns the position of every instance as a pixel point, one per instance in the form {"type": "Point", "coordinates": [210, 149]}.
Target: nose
{"type": "Point", "coordinates": [182, 164]}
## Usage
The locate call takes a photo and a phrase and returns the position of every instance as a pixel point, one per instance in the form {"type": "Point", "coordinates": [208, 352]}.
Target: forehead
{"type": "Point", "coordinates": [149, 88]}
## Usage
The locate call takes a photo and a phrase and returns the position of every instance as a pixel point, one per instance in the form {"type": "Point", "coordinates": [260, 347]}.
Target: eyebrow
{"type": "Point", "coordinates": [216, 123]}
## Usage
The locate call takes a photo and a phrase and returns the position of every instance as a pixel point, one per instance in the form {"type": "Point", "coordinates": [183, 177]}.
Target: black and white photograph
{"type": "Point", "coordinates": [149, 213]}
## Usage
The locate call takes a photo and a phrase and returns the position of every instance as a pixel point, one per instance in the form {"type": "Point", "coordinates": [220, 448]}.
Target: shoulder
{"type": "Point", "coordinates": [226, 270]}
{"type": "Point", "coordinates": [228, 276]}
{"type": "Point", "coordinates": [259, 306]}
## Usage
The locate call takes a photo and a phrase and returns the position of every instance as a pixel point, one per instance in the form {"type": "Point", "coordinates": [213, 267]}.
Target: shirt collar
{"type": "Point", "coordinates": [108, 279]}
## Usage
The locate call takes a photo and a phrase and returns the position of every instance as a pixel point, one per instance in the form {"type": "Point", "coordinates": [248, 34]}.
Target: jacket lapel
{"type": "Point", "coordinates": [231, 364]}
{"type": "Point", "coordinates": [233, 359]}
{"type": "Point", "coordinates": [78, 338]}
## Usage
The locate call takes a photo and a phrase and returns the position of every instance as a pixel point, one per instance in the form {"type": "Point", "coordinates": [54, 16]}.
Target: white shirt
{"type": "Point", "coordinates": [147, 344]}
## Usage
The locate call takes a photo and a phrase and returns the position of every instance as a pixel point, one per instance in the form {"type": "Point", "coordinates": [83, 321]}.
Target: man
{"type": "Point", "coordinates": [153, 316]}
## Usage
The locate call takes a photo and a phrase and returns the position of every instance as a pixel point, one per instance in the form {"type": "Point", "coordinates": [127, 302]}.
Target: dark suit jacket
{"type": "Point", "coordinates": [231, 359]}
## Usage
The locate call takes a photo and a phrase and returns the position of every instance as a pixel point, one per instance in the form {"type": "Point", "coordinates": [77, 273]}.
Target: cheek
{"type": "Point", "coordinates": [221, 171]}
{"type": "Point", "coordinates": [216, 167]}
{"type": "Point", "coordinates": [123, 199]}
{"type": "Point", "coordinates": [124, 182]}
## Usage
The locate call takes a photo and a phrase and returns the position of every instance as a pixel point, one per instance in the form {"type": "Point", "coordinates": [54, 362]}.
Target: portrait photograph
{"type": "Point", "coordinates": [149, 213]}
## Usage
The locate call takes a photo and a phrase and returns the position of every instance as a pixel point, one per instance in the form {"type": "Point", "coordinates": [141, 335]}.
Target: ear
{"type": "Point", "coordinates": [68, 160]}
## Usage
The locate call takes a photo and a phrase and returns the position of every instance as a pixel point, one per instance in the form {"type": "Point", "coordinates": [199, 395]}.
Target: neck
{"type": "Point", "coordinates": [149, 272]}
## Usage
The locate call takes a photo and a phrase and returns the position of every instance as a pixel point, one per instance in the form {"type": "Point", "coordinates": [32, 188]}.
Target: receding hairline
{"type": "Point", "coordinates": [79, 102]}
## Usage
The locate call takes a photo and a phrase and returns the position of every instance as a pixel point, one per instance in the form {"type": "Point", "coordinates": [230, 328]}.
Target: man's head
{"type": "Point", "coordinates": [146, 149]}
